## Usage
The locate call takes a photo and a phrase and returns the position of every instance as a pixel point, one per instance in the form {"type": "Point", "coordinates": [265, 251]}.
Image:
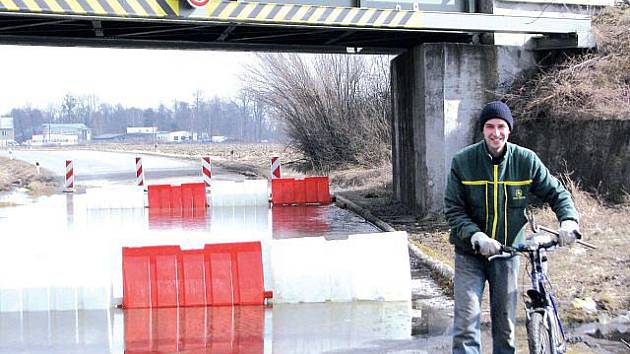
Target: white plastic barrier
{"type": "Point", "coordinates": [239, 193]}
{"type": "Point", "coordinates": [66, 274]}
{"type": "Point", "coordinates": [363, 267]}
{"type": "Point", "coordinates": [115, 197]}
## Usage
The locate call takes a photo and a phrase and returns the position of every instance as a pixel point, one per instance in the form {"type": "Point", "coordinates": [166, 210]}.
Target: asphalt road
{"type": "Point", "coordinates": [115, 166]}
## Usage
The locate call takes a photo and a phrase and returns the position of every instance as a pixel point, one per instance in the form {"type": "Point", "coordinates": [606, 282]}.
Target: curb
{"type": "Point", "coordinates": [441, 272]}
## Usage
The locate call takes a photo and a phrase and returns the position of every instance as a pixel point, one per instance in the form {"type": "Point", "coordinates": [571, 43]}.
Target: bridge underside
{"type": "Point", "coordinates": [260, 26]}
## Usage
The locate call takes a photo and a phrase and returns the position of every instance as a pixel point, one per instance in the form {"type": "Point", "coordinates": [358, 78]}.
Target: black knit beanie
{"type": "Point", "coordinates": [496, 109]}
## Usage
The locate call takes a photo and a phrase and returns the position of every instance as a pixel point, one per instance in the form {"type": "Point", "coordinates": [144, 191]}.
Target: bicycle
{"type": "Point", "coordinates": [545, 332]}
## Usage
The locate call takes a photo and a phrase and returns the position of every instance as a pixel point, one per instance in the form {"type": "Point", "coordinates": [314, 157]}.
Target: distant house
{"type": "Point", "coordinates": [176, 137]}
{"type": "Point", "coordinates": [81, 130]}
{"type": "Point", "coordinates": [142, 130]}
{"type": "Point", "coordinates": [141, 134]}
{"type": "Point", "coordinates": [62, 134]}
{"type": "Point", "coordinates": [7, 134]}
{"type": "Point", "coordinates": [54, 139]}
{"type": "Point", "coordinates": [115, 137]}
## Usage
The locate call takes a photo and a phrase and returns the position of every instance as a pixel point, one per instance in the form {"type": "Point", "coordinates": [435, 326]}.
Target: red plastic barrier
{"type": "Point", "coordinates": [282, 191]}
{"type": "Point", "coordinates": [186, 196]}
{"type": "Point", "coordinates": [198, 194]}
{"type": "Point", "coordinates": [238, 265]}
{"type": "Point", "coordinates": [150, 276]}
{"type": "Point", "coordinates": [217, 330]}
{"type": "Point", "coordinates": [176, 197]}
{"type": "Point", "coordinates": [220, 274]}
{"type": "Point", "coordinates": [193, 281]}
{"type": "Point", "coordinates": [158, 195]}
{"type": "Point", "coordinates": [310, 190]}
{"type": "Point", "coordinates": [323, 192]}
{"type": "Point", "coordinates": [299, 191]}
{"type": "Point", "coordinates": [165, 197]}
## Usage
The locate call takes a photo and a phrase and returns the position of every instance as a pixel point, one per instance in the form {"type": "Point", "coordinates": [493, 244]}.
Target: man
{"type": "Point", "coordinates": [487, 191]}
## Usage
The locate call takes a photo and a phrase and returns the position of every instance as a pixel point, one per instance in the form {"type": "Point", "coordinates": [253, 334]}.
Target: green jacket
{"type": "Point", "coordinates": [487, 197]}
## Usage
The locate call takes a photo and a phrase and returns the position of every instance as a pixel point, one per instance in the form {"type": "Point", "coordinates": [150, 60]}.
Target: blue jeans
{"type": "Point", "coordinates": [471, 273]}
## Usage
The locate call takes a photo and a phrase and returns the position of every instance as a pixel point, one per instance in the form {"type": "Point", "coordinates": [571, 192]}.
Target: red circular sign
{"type": "Point", "coordinates": [198, 3]}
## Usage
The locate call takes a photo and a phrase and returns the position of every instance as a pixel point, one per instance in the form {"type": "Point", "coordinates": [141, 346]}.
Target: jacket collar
{"type": "Point", "coordinates": [509, 148]}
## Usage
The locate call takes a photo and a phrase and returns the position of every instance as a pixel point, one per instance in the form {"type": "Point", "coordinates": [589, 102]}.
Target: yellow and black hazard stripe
{"type": "Point", "coordinates": [125, 8]}
{"type": "Point", "coordinates": [312, 15]}
{"type": "Point", "coordinates": [225, 11]}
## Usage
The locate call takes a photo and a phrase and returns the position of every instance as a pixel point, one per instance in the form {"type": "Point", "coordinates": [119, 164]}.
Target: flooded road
{"type": "Point", "coordinates": [60, 266]}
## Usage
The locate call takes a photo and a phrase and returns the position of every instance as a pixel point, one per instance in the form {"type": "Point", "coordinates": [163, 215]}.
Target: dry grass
{"type": "Point", "coordinates": [15, 173]}
{"type": "Point", "coordinates": [600, 274]}
{"type": "Point", "coordinates": [377, 178]}
{"type": "Point", "coordinates": [586, 86]}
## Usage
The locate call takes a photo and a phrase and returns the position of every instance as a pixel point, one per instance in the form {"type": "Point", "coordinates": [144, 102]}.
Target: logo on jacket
{"type": "Point", "coordinates": [518, 195]}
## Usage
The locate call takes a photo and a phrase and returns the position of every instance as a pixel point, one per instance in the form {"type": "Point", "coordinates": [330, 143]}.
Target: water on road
{"type": "Point", "coordinates": [73, 242]}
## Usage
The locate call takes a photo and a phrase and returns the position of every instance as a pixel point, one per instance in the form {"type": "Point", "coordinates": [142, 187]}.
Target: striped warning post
{"type": "Point", "coordinates": [206, 170]}
{"type": "Point", "coordinates": [275, 167]}
{"type": "Point", "coordinates": [68, 185]}
{"type": "Point", "coordinates": [139, 172]}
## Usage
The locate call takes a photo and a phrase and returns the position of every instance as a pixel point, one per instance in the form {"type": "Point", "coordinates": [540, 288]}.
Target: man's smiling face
{"type": "Point", "coordinates": [496, 132]}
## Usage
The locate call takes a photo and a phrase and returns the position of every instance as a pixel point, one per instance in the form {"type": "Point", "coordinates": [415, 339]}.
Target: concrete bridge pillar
{"type": "Point", "coordinates": [438, 90]}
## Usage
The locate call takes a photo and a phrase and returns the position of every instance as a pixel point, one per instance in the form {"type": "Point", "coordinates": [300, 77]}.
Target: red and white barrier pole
{"type": "Point", "coordinates": [68, 185]}
{"type": "Point", "coordinates": [275, 167]}
{"type": "Point", "coordinates": [206, 169]}
{"type": "Point", "coordinates": [139, 172]}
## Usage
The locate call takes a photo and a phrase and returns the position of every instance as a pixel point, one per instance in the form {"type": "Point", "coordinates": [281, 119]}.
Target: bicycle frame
{"type": "Point", "coordinates": [542, 300]}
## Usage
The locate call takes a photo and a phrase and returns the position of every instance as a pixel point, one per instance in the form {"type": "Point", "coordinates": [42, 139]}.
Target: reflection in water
{"type": "Point", "coordinates": [321, 327]}
{"type": "Point", "coordinates": [328, 221]}
{"type": "Point", "coordinates": [189, 219]}
{"type": "Point", "coordinates": [298, 221]}
{"type": "Point", "coordinates": [56, 332]}
{"type": "Point", "coordinates": [221, 330]}
{"type": "Point", "coordinates": [281, 329]}
{"type": "Point", "coordinates": [295, 328]}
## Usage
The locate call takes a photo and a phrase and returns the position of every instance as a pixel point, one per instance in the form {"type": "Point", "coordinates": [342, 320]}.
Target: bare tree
{"type": "Point", "coordinates": [197, 107]}
{"type": "Point", "coordinates": [336, 108]}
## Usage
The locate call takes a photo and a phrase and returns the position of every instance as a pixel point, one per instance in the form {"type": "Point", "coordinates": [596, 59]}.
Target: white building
{"type": "Point", "coordinates": [7, 134]}
{"type": "Point", "coordinates": [51, 132]}
{"type": "Point", "coordinates": [176, 137]}
{"type": "Point", "coordinates": [142, 130]}
{"type": "Point", "coordinates": [54, 139]}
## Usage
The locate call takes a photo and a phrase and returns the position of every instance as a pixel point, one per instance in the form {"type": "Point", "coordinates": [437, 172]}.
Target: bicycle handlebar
{"type": "Point", "coordinates": [577, 234]}
{"type": "Point", "coordinates": [508, 252]}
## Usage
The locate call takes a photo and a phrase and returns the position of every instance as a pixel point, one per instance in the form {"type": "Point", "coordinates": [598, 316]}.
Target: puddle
{"type": "Point", "coordinates": [607, 335]}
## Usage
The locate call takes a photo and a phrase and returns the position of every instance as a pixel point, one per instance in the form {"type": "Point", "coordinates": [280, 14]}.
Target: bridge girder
{"type": "Point", "coordinates": [250, 25]}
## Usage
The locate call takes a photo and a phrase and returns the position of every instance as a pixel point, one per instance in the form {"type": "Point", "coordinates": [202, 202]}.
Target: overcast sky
{"type": "Point", "coordinates": [142, 78]}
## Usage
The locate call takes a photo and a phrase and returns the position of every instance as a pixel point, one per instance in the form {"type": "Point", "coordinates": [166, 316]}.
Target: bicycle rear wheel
{"type": "Point", "coordinates": [538, 336]}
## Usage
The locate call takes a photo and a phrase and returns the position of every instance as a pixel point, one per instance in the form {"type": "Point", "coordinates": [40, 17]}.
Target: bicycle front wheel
{"type": "Point", "coordinates": [538, 336]}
